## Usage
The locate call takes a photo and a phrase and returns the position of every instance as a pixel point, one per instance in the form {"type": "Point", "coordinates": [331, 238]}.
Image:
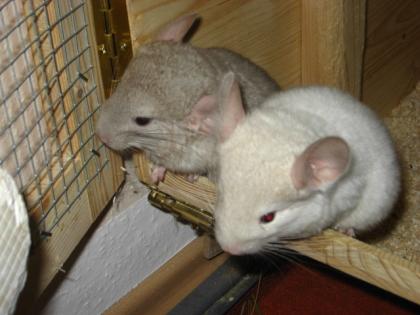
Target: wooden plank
{"type": "Point", "coordinates": [49, 257]}
{"type": "Point", "coordinates": [200, 193]}
{"type": "Point", "coordinates": [392, 58]}
{"type": "Point", "coordinates": [103, 187]}
{"type": "Point", "coordinates": [161, 291]}
{"type": "Point", "coordinates": [365, 262]}
{"type": "Point", "coordinates": [267, 32]}
{"type": "Point", "coordinates": [333, 33]}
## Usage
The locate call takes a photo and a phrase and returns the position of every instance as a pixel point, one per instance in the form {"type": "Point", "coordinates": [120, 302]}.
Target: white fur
{"type": "Point", "coordinates": [256, 161]}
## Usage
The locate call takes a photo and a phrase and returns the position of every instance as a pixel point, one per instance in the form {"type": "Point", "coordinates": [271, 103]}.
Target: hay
{"type": "Point", "coordinates": [403, 228]}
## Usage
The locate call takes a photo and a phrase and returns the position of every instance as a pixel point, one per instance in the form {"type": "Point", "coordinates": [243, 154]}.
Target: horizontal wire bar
{"type": "Point", "coordinates": [37, 40]}
{"type": "Point", "coordinates": [58, 218]}
{"type": "Point", "coordinates": [33, 99]}
{"type": "Point", "coordinates": [65, 142]}
{"type": "Point", "coordinates": [57, 74]}
{"type": "Point", "coordinates": [65, 154]}
{"type": "Point", "coordinates": [33, 15]}
{"type": "Point", "coordinates": [2, 6]}
{"type": "Point", "coordinates": [70, 160]}
{"type": "Point", "coordinates": [72, 180]}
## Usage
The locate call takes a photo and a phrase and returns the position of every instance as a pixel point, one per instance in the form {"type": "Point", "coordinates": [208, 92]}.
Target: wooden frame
{"type": "Point", "coordinates": [99, 175]}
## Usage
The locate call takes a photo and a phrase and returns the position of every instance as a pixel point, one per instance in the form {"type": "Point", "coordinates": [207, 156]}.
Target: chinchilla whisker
{"type": "Point", "coordinates": [279, 249]}
{"type": "Point", "coordinates": [285, 257]}
{"type": "Point", "coordinates": [292, 257]}
{"type": "Point", "coordinates": [288, 256]}
{"type": "Point", "coordinates": [271, 261]}
{"type": "Point", "coordinates": [282, 251]}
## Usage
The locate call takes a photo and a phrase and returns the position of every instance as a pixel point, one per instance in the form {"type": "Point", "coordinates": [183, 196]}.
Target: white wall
{"type": "Point", "coordinates": [127, 247]}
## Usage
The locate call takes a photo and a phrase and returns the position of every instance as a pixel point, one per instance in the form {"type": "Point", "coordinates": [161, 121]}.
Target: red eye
{"type": "Point", "coordinates": [266, 218]}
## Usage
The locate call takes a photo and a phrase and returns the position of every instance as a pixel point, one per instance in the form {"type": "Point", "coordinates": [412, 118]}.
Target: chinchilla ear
{"type": "Point", "coordinates": [176, 30]}
{"type": "Point", "coordinates": [322, 163]}
{"type": "Point", "coordinates": [231, 106]}
{"type": "Point", "coordinates": [203, 115]}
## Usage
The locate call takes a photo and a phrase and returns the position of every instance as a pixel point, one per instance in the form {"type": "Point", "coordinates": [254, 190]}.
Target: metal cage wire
{"type": "Point", "coordinates": [48, 101]}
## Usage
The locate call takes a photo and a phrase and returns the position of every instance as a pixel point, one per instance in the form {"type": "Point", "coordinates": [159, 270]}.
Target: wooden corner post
{"type": "Point", "coordinates": [332, 43]}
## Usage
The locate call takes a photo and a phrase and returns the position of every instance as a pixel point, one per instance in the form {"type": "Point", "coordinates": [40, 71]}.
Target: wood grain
{"type": "Point", "coordinates": [365, 262]}
{"type": "Point", "coordinates": [392, 57]}
{"type": "Point", "coordinates": [332, 43]}
{"type": "Point", "coordinates": [267, 32]}
{"type": "Point", "coordinates": [104, 186]}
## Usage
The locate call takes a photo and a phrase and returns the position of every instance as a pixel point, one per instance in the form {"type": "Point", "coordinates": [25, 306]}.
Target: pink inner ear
{"type": "Point", "coordinates": [176, 30]}
{"type": "Point", "coordinates": [202, 115]}
{"type": "Point", "coordinates": [231, 105]}
{"type": "Point", "coordinates": [323, 162]}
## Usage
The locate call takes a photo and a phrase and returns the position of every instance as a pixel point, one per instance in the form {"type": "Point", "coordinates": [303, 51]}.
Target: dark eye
{"type": "Point", "coordinates": [266, 218]}
{"type": "Point", "coordinates": [143, 121]}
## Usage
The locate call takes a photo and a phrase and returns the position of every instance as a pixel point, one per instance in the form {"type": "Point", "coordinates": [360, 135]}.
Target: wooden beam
{"type": "Point", "coordinates": [363, 261]}
{"type": "Point", "coordinates": [333, 36]}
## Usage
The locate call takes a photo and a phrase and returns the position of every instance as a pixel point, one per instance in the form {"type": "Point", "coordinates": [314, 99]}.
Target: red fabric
{"type": "Point", "coordinates": [307, 290]}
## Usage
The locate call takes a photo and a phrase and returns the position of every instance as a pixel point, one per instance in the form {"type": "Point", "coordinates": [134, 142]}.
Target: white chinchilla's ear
{"type": "Point", "coordinates": [176, 30]}
{"type": "Point", "coordinates": [322, 163]}
{"type": "Point", "coordinates": [231, 107]}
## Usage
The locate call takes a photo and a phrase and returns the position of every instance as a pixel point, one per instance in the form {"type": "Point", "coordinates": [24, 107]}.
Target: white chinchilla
{"type": "Point", "coordinates": [309, 158]}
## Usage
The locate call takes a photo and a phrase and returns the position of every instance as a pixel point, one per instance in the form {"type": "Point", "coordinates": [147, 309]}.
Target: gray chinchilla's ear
{"type": "Point", "coordinates": [176, 30]}
{"type": "Point", "coordinates": [231, 106]}
{"type": "Point", "coordinates": [321, 164]}
{"type": "Point", "coordinates": [203, 115]}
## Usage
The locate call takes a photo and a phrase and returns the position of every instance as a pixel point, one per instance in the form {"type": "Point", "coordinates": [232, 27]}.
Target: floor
{"type": "Point", "coordinates": [310, 288]}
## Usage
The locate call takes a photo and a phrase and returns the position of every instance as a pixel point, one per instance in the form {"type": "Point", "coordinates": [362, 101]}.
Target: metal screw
{"type": "Point", "coordinates": [101, 49]}
{"type": "Point", "coordinates": [123, 46]}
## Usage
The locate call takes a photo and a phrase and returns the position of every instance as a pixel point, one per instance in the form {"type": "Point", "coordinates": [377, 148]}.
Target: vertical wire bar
{"type": "Point", "coordinates": [35, 105]}
{"type": "Point", "coordinates": [61, 97]}
{"type": "Point", "coordinates": [33, 91]}
{"type": "Point", "coordinates": [44, 79]}
{"type": "Point", "coordinates": [44, 64]}
{"type": "Point", "coordinates": [97, 106]}
{"type": "Point", "coordinates": [68, 73]}
{"type": "Point", "coordinates": [12, 137]}
{"type": "Point", "coordinates": [85, 99]}
{"type": "Point", "coordinates": [89, 62]}
{"type": "Point", "coordinates": [65, 69]}
{"type": "Point", "coordinates": [42, 8]}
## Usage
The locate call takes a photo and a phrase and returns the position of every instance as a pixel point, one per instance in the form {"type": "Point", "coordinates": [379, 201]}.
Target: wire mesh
{"type": "Point", "coordinates": [49, 98]}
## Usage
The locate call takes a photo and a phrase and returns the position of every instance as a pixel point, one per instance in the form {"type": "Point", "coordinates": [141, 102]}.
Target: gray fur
{"type": "Point", "coordinates": [164, 81]}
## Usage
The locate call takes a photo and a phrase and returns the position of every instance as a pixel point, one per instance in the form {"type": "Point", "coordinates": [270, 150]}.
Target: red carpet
{"type": "Point", "coordinates": [317, 289]}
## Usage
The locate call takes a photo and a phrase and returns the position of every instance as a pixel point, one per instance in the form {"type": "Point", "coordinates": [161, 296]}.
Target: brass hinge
{"type": "Point", "coordinates": [113, 38]}
{"type": "Point", "coordinates": [200, 219]}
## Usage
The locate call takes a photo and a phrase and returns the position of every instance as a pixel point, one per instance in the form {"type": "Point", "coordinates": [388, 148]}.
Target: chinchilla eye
{"type": "Point", "coordinates": [142, 121]}
{"type": "Point", "coordinates": [268, 217]}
